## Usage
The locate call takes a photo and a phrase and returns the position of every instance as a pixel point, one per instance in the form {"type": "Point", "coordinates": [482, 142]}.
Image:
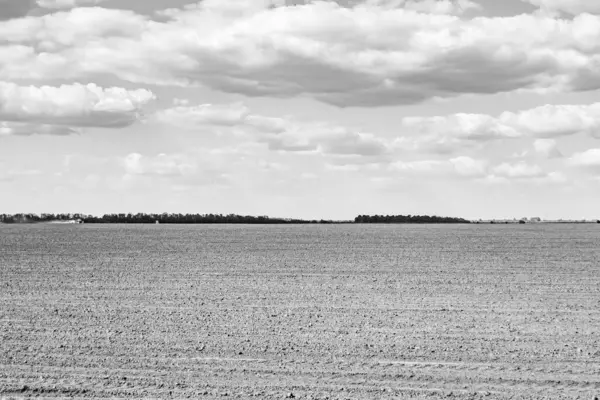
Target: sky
{"type": "Point", "coordinates": [300, 108]}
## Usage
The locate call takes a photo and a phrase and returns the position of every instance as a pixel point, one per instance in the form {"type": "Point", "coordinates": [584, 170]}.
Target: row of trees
{"type": "Point", "coordinates": [164, 218]}
{"type": "Point", "coordinates": [408, 219]}
{"type": "Point", "coordinates": [31, 218]}
{"type": "Point", "coordinates": [170, 218]}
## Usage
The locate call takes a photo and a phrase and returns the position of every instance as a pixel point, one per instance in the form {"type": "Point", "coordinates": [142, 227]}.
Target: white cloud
{"type": "Point", "coordinates": [191, 117]}
{"type": "Point", "coordinates": [547, 148]}
{"type": "Point", "coordinates": [420, 166]}
{"type": "Point", "coordinates": [463, 166]}
{"type": "Point", "coordinates": [85, 163]}
{"type": "Point", "coordinates": [161, 165]}
{"type": "Point", "coordinates": [574, 7]}
{"type": "Point", "coordinates": [180, 169]}
{"type": "Point", "coordinates": [556, 120]}
{"type": "Point", "coordinates": [280, 134]}
{"type": "Point", "coordinates": [463, 126]}
{"type": "Point", "coordinates": [448, 134]}
{"type": "Point", "coordinates": [454, 131]}
{"type": "Point", "coordinates": [520, 170]}
{"type": "Point", "coordinates": [14, 174]}
{"type": "Point", "coordinates": [26, 129]}
{"type": "Point", "coordinates": [345, 142]}
{"type": "Point", "coordinates": [469, 167]}
{"type": "Point", "coordinates": [587, 159]}
{"type": "Point", "coordinates": [365, 54]}
{"type": "Point", "coordinates": [72, 105]}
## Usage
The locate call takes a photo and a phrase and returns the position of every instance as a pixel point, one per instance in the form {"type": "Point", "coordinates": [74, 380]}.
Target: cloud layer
{"type": "Point", "coordinates": [355, 55]}
{"type": "Point", "coordinates": [280, 134]}
{"type": "Point", "coordinates": [573, 7]}
{"type": "Point", "coordinates": [26, 129]}
{"type": "Point", "coordinates": [589, 159]}
{"type": "Point", "coordinates": [548, 121]}
{"type": "Point", "coordinates": [72, 105]}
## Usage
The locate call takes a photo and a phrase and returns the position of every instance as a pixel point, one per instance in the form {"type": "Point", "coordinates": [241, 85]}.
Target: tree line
{"type": "Point", "coordinates": [408, 219]}
{"type": "Point", "coordinates": [164, 218]}
{"type": "Point", "coordinates": [175, 218]}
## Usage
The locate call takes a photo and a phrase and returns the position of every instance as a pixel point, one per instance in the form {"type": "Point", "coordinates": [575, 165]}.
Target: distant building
{"type": "Point", "coordinates": [535, 219]}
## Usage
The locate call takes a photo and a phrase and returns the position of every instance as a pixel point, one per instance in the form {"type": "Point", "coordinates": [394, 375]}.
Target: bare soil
{"type": "Point", "coordinates": [306, 312]}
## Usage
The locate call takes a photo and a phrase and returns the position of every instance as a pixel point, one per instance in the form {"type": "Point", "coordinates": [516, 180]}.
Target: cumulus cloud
{"type": "Point", "coordinates": [26, 129]}
{"type": "Point", "coordinates": [547, 148]}
{"type": "Point", "coordinates": [345, 142]}
{"type": "Point", "coordinates": [280, 134]}
{"type": "Point", "coordinates": [463, 126]}
{"type": "Point", "coordinates": [448, 134]}
{"type": "Point", "coordinates": [182, 169]}
{"type": "Point", "coordinates": [556, 120]}
{"type": "Point", "coordinates": [419, 166]}
{"type": "Point", "coordinates": [589, 159]}
{"type": "Point", "coordinates": [72, 105]}
{"type": "Point", "coordinates": [361, 54]}
{"type": "Point", "coordinates": [469, 167]}
{"type": "Point", "coordinates": [192, 117]}
{"type": "Point", "coordinates": [162, 165]}
{"type": "Point", "coordinates": [463, 167]}
{"type": "Point", "coordinates": [520, 170]}
{"type": "Point", "coordinates": [14, 174]}
{"type": "Point", "coordinates": [477, 170]}
{"type": "Point", "coordinates": [549, 121]}
{"type": "Point", "coordinates": [574, 7]}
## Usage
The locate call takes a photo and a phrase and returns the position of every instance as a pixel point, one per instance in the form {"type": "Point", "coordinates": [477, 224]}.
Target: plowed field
{"type": "Point", "coordinates": [319, 312]}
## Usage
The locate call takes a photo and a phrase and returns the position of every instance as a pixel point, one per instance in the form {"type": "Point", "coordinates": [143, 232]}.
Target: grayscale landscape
{"type": "Point", "coordinates": [300, 199]}
{"type": "Point", "coordinates": [307, 312]}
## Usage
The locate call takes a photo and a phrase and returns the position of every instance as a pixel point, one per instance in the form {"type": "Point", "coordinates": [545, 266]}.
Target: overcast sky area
{"type": "Point", "coordinates": [312, 109]}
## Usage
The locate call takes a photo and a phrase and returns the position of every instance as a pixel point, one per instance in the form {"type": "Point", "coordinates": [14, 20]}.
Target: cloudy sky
{"type": "Point", "coordinates": [313, 109]}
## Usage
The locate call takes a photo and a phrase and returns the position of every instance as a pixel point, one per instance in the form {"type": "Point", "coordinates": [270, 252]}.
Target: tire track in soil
{"type": "Point", "coordinates": [407, 376]}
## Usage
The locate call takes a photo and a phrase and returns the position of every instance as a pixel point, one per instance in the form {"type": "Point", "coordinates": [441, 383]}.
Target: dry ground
{"type": "Point", "coordinates": [321, 312]}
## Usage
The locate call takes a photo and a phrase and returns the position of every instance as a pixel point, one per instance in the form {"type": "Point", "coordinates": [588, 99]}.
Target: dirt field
{"type": "Point", "coordinates": [307, 312]}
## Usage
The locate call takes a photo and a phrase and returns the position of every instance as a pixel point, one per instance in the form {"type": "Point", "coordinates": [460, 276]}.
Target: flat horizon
{"type": "Point", "coordinates": [300, 108]}
{"type": "Point", "coordinates": [532, 219]}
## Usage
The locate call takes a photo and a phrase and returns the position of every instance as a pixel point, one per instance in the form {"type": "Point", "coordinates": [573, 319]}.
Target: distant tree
{"type": "Point", "coordinates": [408, 219]}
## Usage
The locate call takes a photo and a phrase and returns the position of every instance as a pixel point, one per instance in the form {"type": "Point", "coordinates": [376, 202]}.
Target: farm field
{"type": "Point", "coordinates": [306, 312]}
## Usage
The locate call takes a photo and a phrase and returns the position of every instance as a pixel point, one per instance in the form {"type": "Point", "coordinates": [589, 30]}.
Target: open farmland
{"type": "Point", "coordinates": [321, 312]}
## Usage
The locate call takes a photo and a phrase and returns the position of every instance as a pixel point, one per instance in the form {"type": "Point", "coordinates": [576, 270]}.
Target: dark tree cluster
{"type": "Point", "coordinates": [33, 218]}
{"type": "Point", "coordinates": [174, 218]}
{"type": "Point", "coordinates": [408, 219]}
{"type": "Point", "coordinates": [168, 218]}
{"type": "Point", "coordinates": [164, 218]}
